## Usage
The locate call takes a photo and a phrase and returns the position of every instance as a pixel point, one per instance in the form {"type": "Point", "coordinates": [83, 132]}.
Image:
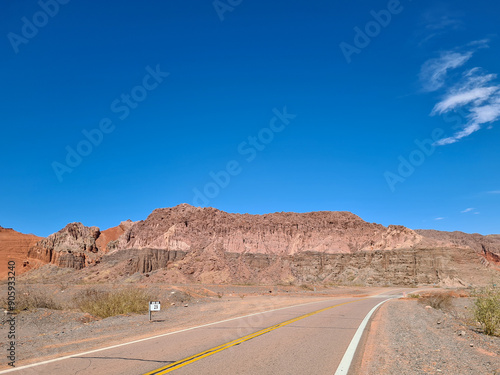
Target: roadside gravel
{"type": "Point", "coordinates": [407, 338]}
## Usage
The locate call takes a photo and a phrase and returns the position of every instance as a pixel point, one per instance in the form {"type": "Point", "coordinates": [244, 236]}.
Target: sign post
{"type": "Point", "coordinates": [153, 306]}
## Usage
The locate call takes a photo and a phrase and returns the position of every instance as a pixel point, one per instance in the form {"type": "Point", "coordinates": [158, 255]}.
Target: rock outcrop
{"type": "Point", "coordinates": [409, 267]}
{"type": "Point", "coordinates": [111, 235]}
{"type": "Point", "coordinates": [144, 260]}
{"type": "Point", "coordinates": [210, 246]}
{"type": "Point", "coordinates": [487, 246]}
{"type": "Point", "coordinates": [188, 228]}
{"type": "Point", "coordinates": [206, 245]}
{"type": "Point", "coordinates": [74, 246]}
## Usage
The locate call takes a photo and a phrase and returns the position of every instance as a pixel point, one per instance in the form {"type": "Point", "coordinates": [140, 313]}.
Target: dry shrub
{"type": "Point", "coordinates": [307, 287]}
{"type": "Point", "coordinates": [487, 309]}
{"type": "Point", "coordinates": [440, 301]}
{"type": "Point", "coordinates": [105, 304]}
{"type": "Point", "coordinates": [413, 296]}
{"type": "Point", "coordinates": [33, 299]}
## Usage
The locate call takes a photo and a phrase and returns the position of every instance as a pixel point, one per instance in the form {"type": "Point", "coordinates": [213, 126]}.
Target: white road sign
{"type": "Point", "coordinates": [154, 306]}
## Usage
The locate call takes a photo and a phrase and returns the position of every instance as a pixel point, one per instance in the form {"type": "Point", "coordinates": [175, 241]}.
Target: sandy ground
{"type": "Point", "coordinates": [405, 337]}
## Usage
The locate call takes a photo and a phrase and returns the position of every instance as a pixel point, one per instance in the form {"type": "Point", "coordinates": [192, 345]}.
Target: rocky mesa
{"type": "Point", "coordinates": [188, 228]}
{"type": "Point", "coordinates": [206, 245]}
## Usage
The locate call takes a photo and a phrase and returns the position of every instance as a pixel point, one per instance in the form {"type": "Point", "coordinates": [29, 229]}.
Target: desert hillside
{"type": "Point", "coordinates": [487, 246]}
{"type": "Point", "coordinates": [188, 228]}
{"type": "Point", "coordinates": [186, 244]}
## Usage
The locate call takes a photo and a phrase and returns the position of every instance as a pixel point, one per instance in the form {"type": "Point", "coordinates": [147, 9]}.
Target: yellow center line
{"type": "Point", "coordinates": [183, 362]}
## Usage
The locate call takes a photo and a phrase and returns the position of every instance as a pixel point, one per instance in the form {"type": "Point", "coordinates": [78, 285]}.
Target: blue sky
{"type": "Point", "coordinates": [387, 109]}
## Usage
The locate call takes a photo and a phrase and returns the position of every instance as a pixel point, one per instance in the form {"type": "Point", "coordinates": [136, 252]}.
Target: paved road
{"type": "Point", "coordinates": [305, 339]}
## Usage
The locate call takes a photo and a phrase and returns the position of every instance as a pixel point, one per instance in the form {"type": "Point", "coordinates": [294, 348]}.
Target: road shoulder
{"type": "Point", "coordinates": [405, 337]}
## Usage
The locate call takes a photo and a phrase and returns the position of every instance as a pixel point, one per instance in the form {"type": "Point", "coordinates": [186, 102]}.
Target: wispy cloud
{"type": "Point", "coordinates": [467, 210]}
{"type": "Point", "coordinates": [434, 71]}
{"type": "Point", "coordinates": [474, 89]}
{"type": "Point", "coordinates": [443, 22]}
{"type": "Point", "coordinates": [480, 43]}
{"type": "Point", "coordinates": [437, 21]}
{"type": "Point", "coordinates": [439, 218]}
{"type": "Point", "coordinates": [475, 94]}
{"type": "Point", "coordinates": [494, 192]}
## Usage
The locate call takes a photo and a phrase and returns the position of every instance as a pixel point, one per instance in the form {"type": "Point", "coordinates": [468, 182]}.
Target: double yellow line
{"type": "Point", "coordinates": [209, 352]}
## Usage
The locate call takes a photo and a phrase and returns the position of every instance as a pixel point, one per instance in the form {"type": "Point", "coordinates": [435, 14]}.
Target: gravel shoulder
{"type": "Point", "coordinates": [406, 337]}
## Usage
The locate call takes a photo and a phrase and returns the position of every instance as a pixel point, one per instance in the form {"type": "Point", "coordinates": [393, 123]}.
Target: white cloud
{"type": "Point", "coordinates": [465, 132]}
{"type": "Point", "coordinates": [494, 192]}
{"type": "Point", "coordinates": [476, 213]}
{"type": "Point", "coordinates": [439, 218]}
{"type": "Point", "coordinates": [487, 113]}
{"type": "Point", "coordinates": [475, 94]}
{"type": "Point", "coordinates": [472, 89]}
{"type": "Point", "coordinates": [434, 71]}
{"type": "Point", "coordinates": [482, 43]}
{"type": "Point", "coordinates": [467, 210]}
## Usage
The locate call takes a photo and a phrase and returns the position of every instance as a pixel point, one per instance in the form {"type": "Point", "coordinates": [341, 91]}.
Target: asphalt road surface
{"type": "Point", "coordinates": [305, 339]}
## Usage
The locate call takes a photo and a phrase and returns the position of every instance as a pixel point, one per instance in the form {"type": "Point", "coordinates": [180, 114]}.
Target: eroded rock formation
{"type": "Point", "coordinates": [487, 246]}
{"type": "Point", "coordinates": [206, 245]}
{"type": "Point", "coordinates": [112, 234]}
{"type": "Point", "coordinates": [74, 247]}
{"type": "Point", "coordinates": [190, 228]}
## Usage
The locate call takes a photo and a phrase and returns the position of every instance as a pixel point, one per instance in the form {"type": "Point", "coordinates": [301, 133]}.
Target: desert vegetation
{"type": "Point", "coordinates": [104, 304]}
{"type": "Point", "coordinates": [307, 287]}
{"type": "Point", "coordinates": [487, 309]}
{"type": "Point", "coordinates": [484, 311]}
{"type": "Point", "coordinates": [30, 299]}
{"type": "Point", "coordinates": [437, 300]}
{"type": "Point", "coordinates": [99, 303]}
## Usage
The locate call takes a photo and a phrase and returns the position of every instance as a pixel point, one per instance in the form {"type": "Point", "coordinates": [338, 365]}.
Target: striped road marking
{"type": "Point", "coordinates": [151, 338]}
{"type": "Point", "coordinates": [217, 349]}
{"type": "Point", "coordinates": [345, 364]}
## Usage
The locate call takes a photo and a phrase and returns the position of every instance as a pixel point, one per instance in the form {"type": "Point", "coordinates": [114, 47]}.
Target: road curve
{"type": "Point", "coordinates": [305, 339]}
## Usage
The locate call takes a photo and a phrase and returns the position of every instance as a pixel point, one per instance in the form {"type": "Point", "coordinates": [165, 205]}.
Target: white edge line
{"type": "Point", "coordinates": [158, 336]}
{"type": "Point", "coordinates": [344, 365]}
